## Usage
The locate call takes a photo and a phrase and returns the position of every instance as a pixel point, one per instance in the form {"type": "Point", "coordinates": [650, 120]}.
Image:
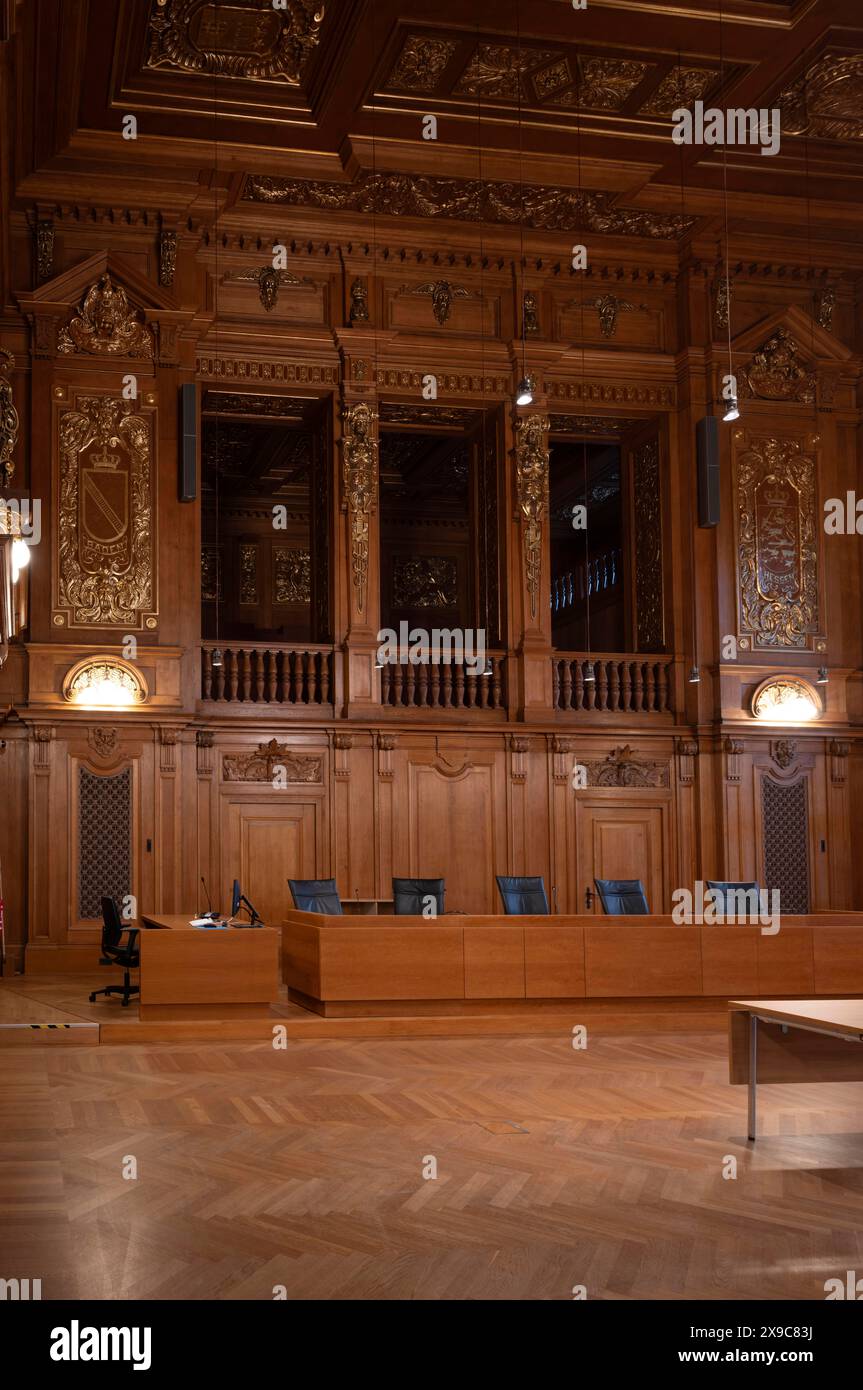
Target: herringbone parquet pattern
{"type": "Point", "coordinates": [304, 1168]}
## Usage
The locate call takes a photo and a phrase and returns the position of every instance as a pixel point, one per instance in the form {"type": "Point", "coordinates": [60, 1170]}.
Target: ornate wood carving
{"type": "Point", "coordinates": [360, 483]}
{"type": "Point", "coordinates": [359, 301]}
{"type": "Point", "coordinates": [680, 87]}
{"type": "Point", "coordinates": [167, 257]}
{"type": "Point", "coordinates": [621, 768]}
{"type": "Point", "coordinates": [204, 739]}
{"type": "Point", "coordinates": [721, 305]}
{"type": "Point", "coordinates": [594, 392]}
{"type": "Point", "coordinates": [168, 739]}
{"type": "Point", "coordinates": [425, 581]}
{"type": "Point", "coordinates": [264, 764]}
{"type": "Point", "coordinates": [386, 745]}
{"type": "Point", "coordinates": [269, 282]}
{"type": "Point", "coordinates": [248, 574]}
{"type": "Point", "coordinates": [442, 294]}
{"type": "Point", "coordinates": [783, 751]}
{"type": "Point", "coordinates": [825, 305]}
{"type": "Point", "coordinates": [519, 747]}
{"type": "Point", "coordinates": [247, 369]}
{"type": "Point", "coordinates": [8, 419]}
{"type": "Point", "coordinates": [733, 753]}
{"type": "Point", "coordinates": [419, 66]}
{"type": "Point", "coordinates": [470, 200]}
{"type": "Point", "coordinates": [687, 752]}
{"type": "Point", "coordinates": [608, 306]}
{"type": "Point", "coordinates": [106, 325]}
{"type": "Point", "coordinates": [777, 372]}
{"type": "Point", "coordinates": [838, 761]}
{"type": "Point", "coordinates": [292, 579]}
{"type": "Point", "coordinates": [531, 480]}
{"type": "Point", "coordinates": [530, 314]}
{"type": "Point", "coordinates": [649, 594]}
{"type": "Point", "coordinates": [826, 103]}
{"type": "Point", "coordinates": [254, 40]}
{"type": "Point", "coordinates": [106, 533]}
{"type": "Point", "coordinates": [43, 234]}
{"type": "Point", "coordinates": [777, 543]}
{"type": "Point", "coordinates": [103, 740]}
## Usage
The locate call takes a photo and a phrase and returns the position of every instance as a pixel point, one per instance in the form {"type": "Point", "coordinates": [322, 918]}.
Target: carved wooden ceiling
{"type": "Point", "coordinates": [553, 117]}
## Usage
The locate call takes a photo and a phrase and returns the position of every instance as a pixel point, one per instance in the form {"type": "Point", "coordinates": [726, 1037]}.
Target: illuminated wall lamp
{"type": "Point", "coordinates": [104, 682]}
{"type": "Point", "coordinates": [786, 700]}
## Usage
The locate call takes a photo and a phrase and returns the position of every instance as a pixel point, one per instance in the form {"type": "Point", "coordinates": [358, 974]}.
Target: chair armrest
{"type": "Point", "coordinates": [134, 932]}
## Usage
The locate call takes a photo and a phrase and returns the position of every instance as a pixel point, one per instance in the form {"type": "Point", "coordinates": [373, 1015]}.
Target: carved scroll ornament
{"type": "Point", "coordinates": [106, 540]}
{"type": "Point", "coordinates": [106, 325]}
{"type": "Point", "coordinates": [269, 761]}
{"type": "Point", "coordinates": [265, 41]}
{"type": "Point", "coordinates": [623, 769]}
{"type": "Point", "coordinates": [777, 549]}
{"type": "Point", "coordinates": [531, 476]}
{"type": "Point", "coordinates": [360, 482]}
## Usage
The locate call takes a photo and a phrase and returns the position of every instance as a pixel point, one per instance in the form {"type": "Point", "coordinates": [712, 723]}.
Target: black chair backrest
{"type": "Point", "coordinates": [522, 895]}
{"type": "Point", "coordinates": [409, 893]}
{"type": "Point", "coordinates": [112, 924]}
{"type": "Point", "coordinates": [622, 897]}
{"type": "Point", "coordinates": [728, 900]}
{"type": "Point", "coordinates": [316, 895]}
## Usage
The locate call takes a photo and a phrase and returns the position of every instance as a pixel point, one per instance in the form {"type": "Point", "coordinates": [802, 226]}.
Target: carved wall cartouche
{"type": "Point", "coordinates": [623, 769]}
{"type": "Point", "coordinates": [441, 293]}
{"type": "Point", "coordinates": [106, 325]}
{"type": "Point", "coordinates": [777, 543]}
{"type": "Point", "coordinates": [265, 763]}
{"type": "Point", "coordinates": [777, 372]}
{"type": "Point", "coordinates": [253, 41]}
{"type": "Point", "coordinates": [106, 542]}
{"type": "Point", "coordinates": [531, 480]}
{"type": "Point", "coordinates": [360, 484]}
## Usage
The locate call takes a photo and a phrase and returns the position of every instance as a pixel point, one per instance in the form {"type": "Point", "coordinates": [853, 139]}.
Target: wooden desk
{"type": "Point", "coordinates": [361, 966]}
{"type": "Point", "coordinates": [797, 1040]}
{"type": "Point", "coordinates": [192, 973]}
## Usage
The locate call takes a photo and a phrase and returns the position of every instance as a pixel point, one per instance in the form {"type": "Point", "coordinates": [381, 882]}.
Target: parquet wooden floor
{"type": "Point", "coordinates": [303, 1167]}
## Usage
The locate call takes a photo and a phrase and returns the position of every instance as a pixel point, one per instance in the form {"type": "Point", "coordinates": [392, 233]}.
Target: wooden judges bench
{"type": "Point", "coordinates": [379, 966]}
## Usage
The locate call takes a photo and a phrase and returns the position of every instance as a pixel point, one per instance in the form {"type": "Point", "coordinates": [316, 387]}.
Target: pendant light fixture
{"type": "Point", "coordinates": [216, 655]}
{"type": "Point", "coordinates": [731, 411]}
{"type": "Point", "coordinates": [524, 390]}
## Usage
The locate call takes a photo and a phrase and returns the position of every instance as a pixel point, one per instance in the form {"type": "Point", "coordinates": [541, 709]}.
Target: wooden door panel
{"type": "Point", "coordinates": [267, 846]}
{"type": "Point", "coordinates": [624, 841]}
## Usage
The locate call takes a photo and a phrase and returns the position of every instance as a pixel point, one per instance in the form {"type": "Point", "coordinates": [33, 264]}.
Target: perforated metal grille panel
{"type": "Point", "coordinates": [785, 812]}
{"type": "Point", "coordinates": [104, 839]}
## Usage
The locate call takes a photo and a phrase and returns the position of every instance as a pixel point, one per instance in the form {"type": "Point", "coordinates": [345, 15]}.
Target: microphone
{"type": "Point", "coordinates": [211, 913]}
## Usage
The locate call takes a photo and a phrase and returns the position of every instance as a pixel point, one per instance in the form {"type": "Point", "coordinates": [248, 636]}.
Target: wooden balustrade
{"type": "Point", "coordinates": [444, 685]}
{"type": "Point", "coordinates": [267, 675]}
{"type": "Point", "coordinates": [623, 684]}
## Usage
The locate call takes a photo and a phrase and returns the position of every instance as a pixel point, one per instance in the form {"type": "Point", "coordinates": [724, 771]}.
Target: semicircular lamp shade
{"type": "Point", "coordinates": [104, 682]}
{"type": "Point", "coordinates": [786, 700]}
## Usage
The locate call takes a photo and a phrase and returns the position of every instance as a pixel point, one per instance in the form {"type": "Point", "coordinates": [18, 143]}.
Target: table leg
{"type": "Point", "coordinates": [753, 1068]}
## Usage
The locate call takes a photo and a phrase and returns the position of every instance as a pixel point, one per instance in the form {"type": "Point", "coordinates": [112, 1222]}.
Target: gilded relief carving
{"type": "Point", "coordinates": [167, 257]}
{"type": "Point", "coordinates": [777, 545]}
{"type": "Point", "coordinates": [530, 314]}
{"type": "Point", "coordinates": [470, 200]}
{"type": "Point", "coordinates": [680, 87]}
{"type": "Point", "coordinates": [106, 325]}
{"type": "Point", "coordinates": [825, 305]}
{"type": "Point", "coordinates": [649, 602]}
{"type": "Point", "coordinates": [531, 478]}
{"type": "Point", "coordinates": [442, 294]}
{"type": "Point", "coordinates": [248, 574]}
{"type": "Point", "coordinates": [778, 373]}
{"type": "Point", "coordinates": [360, 482]}
{"type": "Point", "coordinates": [271, 760]}
{"type": "Point", "coordinates": [106, 539]}
{"type": "Point", "coordinates": [8, 419]}
{"type": "Point", "coordinates": [292, 578]}
{"type": "Point", "coordinates": [623, 769]}
{"type": "Point", "coordinates": [252, 40]}
{"type": "Point", "coordinates": [425, 581]}
{"type": "Point", "coordinates": [359, 301]}
{"type": "Point", "coordinates": [826, 103]}
{"type": "Point", "coordinates": [44, 236]}
{"type": "Point", "coordinates": [420, 63]}
{"type": "Point", "coordinates": [608, 306]}
{"type": "Point", "coordinates": [269, 281]}
{"type": "Point", "coordinates": [496, 70]}
{"type": "Point", "coordinates": [721, 304]}
{"type": "Point", "coordinates": [605, 84]}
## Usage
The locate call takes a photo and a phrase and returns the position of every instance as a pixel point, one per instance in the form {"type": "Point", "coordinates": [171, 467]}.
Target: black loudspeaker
{"type": "Point", "coordinates": [188, 452]}
{"type": "Point", "coordinates": [707, 454]}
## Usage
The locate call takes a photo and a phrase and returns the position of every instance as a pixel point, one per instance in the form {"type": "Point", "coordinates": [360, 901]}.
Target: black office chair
{"type": "Point", "coordinates": [409, 895]}
{"type": "Point", "coordinates": [622, 897]}
{"type": "Point", "coordinates": [522, 895]}
{"type": "Point", "coordinates": [114, 953]}
{"type": "Point", "coordinates": [722, 890]}
{"type": "Point", "coordinates": [316, 895]}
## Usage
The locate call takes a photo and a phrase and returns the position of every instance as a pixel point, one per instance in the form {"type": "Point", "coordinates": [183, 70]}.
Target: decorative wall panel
{"type": "Point", "coordinates": [291, 575]}
{"type": "Point", "coordinates": [785, 819]}
{"type": "Point", "coordinates": [647, 497]}
{"type": "Point", "coordinates": [104, 840]}
{"type": "Point", "coordinates": [777, 543]}
{"type": "Point", "coordinates": [105, 561]}
{"type": "Point", "coordinates": [424, 581]}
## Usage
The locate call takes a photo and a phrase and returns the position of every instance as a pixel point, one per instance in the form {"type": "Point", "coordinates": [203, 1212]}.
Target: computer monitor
{"type": "Point", "coordinates": [236, 896]}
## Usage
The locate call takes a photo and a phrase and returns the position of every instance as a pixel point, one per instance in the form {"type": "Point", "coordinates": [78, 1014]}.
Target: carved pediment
{"type": "Point", "coordinates": [622, 768]}
{"type": "Point", "coordinates": [271, 762]}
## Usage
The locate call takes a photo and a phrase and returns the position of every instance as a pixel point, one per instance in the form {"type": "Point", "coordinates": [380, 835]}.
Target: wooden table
{"type": "Point", "coordinates": [193, 973]}
{"type": "Point", "coordinates": [793, 1040]}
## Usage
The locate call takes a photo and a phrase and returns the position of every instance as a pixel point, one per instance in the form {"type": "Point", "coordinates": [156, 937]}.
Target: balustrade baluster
{"type": "Point", "coordinates": [601, 670]}
{"type": "Point", "coordinates": [246, 667]}
{"type": "Point", "coordinates": [590, 687]}
{"type": "Point", "coordinates": [649, 684]}
{"type": "Point", "coordinates": [637, 686]}
{"type": "Point", "coordinates": [555, 683]}
{"type": "Point", "coordinates": [459, 686]}
{"type": "Point", "coordinates": [579, 686]}
{"type": "Point", "coordinates": [423, 685]}
{"type": "Point", "coordinates": [614, 685]}
{"type": "Point", "coordinates": [497, 681]}
{"type": "Point", "coordinates": [324, 679]}
{"type": "Point", "coordinates": [206, 674]}
{"type": "Point", "coordinates": [271, 658]}
{"type": "Point", "coordinates": [662, 693]}
{"type": "Point", "coordinates": [231, 658]}
{"type": "Point", "coordinates": [435, 684]}
{"type": "Point", "coordinates": [386, 684]}
{"type": "Point", "coordinates": [626, 672]}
